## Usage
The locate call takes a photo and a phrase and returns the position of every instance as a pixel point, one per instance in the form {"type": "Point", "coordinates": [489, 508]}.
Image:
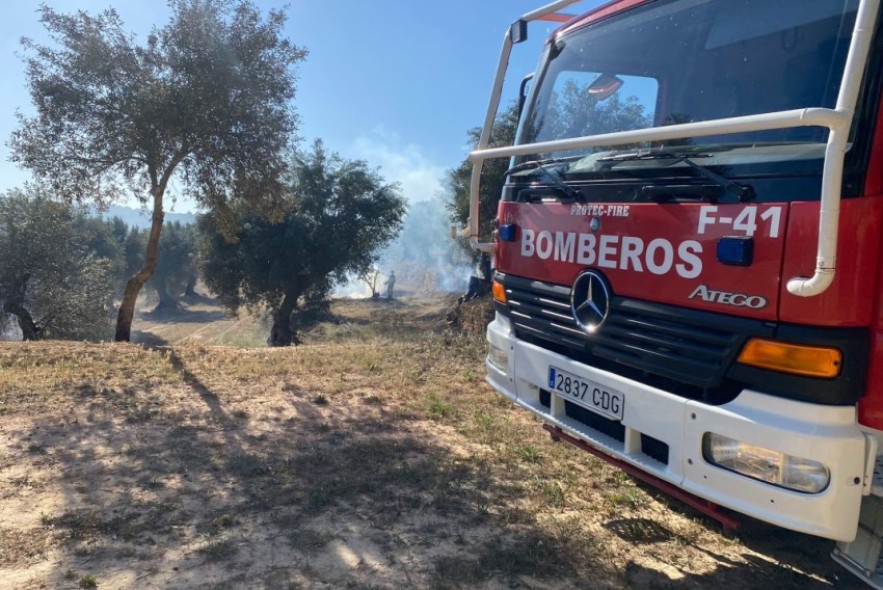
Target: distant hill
{"type": "Point", "coordinates": [141, 217]}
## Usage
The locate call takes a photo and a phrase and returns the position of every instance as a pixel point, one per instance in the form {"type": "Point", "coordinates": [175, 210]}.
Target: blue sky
{"type": "Point", "coordinates": [397, 84]}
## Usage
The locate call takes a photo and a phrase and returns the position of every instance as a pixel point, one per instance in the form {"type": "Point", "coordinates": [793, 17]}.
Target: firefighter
{"type": "Point", "coordinates": [390, 284]}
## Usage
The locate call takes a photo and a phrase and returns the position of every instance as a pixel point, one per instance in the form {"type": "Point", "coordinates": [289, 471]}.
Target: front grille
{"type": "Point", "coordinates": [687, 346]}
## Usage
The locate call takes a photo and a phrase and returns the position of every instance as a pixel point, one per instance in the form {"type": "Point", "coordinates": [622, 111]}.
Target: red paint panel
{"type": "Point", "coordinates": [870, 407]}
{"type": "Point", "coordinates": [663, 253]}
{"type": "Point", "coordinates": [849, 300]}
{"type": "Point", "coordinates": [557, 17]}
{"type": "Point", "coordinates": [874, 179]}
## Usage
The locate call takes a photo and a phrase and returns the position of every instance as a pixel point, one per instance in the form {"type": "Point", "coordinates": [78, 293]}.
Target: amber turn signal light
{"type": "Point", "coordinates": [809, 361]}
{"type": "Point", "coordinates": [499, 292]}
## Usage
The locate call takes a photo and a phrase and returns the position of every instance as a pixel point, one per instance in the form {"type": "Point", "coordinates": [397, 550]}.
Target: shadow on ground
{"type": "Point", "coordinates": [215, 485]}
{"type": "Point", "coordinates": [147, 338]}
{"type": "Point", "coordinates": [790, 560]}
{"type": "Point", "coordinates": [209, 493]}
{"type": "Point", "coordinates": [186, 315]}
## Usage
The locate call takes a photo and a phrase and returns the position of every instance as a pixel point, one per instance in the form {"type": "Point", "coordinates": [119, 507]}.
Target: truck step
{"type": "Point", "coordinates": [863, 555]}
{"type": "Point", "coordinates": [877, 481]}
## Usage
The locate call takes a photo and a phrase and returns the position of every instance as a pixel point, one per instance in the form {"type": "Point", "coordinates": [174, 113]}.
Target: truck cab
{"type": "Point", "coordinates": [688, 253]}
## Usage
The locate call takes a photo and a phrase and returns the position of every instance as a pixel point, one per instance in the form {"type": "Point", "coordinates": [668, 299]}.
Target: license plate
{"type": "Point", "coordinates": [585, 392]}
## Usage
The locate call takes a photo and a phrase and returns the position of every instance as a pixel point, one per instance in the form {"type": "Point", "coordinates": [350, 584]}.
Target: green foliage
{"type": "Point", "coordinates": [207, 100]}
{"type": "Point", "coordinates": [492, 175]}
{"type": "Point", "coordinates": [107, 238]}
{"type": "Point", "coordinates": [531, 454]}
{"type": "Point", "coordinates": [437, 408]}
{"type": "Point", "coordinates": [55, 276]}
{"type": "Point", "coordinates": [627, 497]}
{"type": "Point", "coordinates": [209, 92]}
{"type": "Point", "coordinates": [336, 214]}
{"type": "Point", "coordinates": [491, 187]}
{"type": "Point", "coordinates": [133, 251]}
{"type": "Point", "coordinates": [123, 249]}
{"type": "Point", "coordinates": [177, 263]}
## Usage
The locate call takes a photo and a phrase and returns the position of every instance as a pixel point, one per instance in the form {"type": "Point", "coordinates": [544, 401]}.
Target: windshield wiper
{"type": "Point", "coordinates": [657, 155]}
{"type": "Point", "coordinates": [544, 167]}
{"type": "Point", "coordinates": [743, 192]}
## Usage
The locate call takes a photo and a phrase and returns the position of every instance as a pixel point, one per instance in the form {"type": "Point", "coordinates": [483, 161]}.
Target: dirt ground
{"type": "Point", "coordinates": [371, 457]}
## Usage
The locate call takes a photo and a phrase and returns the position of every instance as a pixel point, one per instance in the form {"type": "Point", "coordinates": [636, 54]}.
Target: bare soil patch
{"type": "Point", "coordinates": [371, 457]}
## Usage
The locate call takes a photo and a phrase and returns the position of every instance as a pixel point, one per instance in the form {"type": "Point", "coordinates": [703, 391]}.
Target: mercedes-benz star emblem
{"type": "Point", "coordinates": [590, 300]}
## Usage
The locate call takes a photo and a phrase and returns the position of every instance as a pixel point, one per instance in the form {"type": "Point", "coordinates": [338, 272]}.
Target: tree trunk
{"type": "Point", "coordinates": [166, 301]}
{"type": "Point", "coordinates": [136, 282]}
{"type": "Point", "coordinates": [484, 267]}
{"type": "Point", "coordinates": [29, 329]}
{"type": "Point", "coordinates": [281, 333]}
{"type": "Point", "coordinates": [15, 305]}
{"type": "Point", "coordinates": [190, 289]}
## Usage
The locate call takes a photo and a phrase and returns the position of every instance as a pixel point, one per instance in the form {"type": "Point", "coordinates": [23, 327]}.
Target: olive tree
{"type": "Point", "coordinates": [492, 180]}
{"type": "Point", "coordinates": [205, 100]}
{"type": "Point", "coordinates": [176, 266]}
{"type": "Point", "coordinates": [106, 238]}
{"type": "Point", "coordinates": [337, 215]}
{"type": "Point", "coordinates": [53, 282]}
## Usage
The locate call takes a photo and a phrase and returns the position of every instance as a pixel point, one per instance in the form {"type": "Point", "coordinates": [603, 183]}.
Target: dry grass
{"type": "Point", "coordinates": [373, 456]}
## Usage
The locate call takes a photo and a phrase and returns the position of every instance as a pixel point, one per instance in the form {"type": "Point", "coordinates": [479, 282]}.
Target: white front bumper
{"type": "Point", "coordinates": [827, 434]}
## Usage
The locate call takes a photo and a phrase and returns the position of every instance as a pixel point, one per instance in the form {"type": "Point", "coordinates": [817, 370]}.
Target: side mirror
{"type": "Point", "coordinates": [518, 31]}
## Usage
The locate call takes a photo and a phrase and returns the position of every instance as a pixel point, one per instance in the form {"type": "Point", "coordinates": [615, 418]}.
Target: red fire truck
{"type": "Point", "coordinates": [688, 267]}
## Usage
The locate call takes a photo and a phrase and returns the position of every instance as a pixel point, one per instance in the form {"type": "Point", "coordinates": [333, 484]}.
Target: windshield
{"type": "Point", "coordinates": [681, 61]}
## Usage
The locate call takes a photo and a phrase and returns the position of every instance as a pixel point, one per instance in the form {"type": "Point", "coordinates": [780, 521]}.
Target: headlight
{"type": "Point", "coordinates": [787, 471]}
{"type": "Point", "coordinates": [499, 358]}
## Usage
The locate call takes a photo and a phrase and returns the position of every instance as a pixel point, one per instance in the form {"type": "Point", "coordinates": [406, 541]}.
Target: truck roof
{"type": "Point", "coordinates": [596, 14]}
